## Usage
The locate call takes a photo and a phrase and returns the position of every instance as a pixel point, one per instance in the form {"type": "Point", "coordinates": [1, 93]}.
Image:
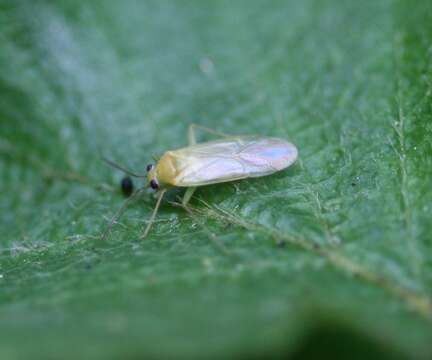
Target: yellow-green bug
{"type": "Point", "coordinates": [231, 158]}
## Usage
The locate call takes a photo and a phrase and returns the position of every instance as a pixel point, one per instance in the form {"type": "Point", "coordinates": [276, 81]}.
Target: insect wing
{"type": "Point", "coordinates": [232, 159]}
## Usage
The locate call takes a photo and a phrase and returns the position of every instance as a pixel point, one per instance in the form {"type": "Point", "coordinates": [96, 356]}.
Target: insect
{"type": "Point", "coordinates": [127, 186]}
{"type": "Point", "coordinates": [228, 159]}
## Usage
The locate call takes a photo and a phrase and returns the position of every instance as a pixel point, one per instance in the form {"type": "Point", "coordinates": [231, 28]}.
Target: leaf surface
{"type": "Point", "coordinates": [335, 250]}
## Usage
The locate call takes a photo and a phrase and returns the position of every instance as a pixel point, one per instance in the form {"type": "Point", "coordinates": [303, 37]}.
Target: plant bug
{"type": "Point", "coordinates": [231, 158]}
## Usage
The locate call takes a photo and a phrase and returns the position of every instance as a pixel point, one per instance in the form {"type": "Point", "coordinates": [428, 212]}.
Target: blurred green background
{"type": "Point", "coordinates": [330, 257]}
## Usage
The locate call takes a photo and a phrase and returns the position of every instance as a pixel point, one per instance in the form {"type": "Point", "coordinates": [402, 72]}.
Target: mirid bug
{"type": "Point", "coordinates": [231, 158]}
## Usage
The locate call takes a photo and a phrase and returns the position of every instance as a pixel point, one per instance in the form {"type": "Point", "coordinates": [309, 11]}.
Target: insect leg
{"type": "Point", "coordinates": [192, 137]}
{"type": "Point", "coordinates": [188, 194]}
{"type": "Point", "coordinates": [154, 213]}
{"type": "Point", "coordinates": [120, 211]}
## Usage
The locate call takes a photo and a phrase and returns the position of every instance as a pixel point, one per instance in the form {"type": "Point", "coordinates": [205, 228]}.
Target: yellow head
{"type": "Point", "coordinates": [164, 173]}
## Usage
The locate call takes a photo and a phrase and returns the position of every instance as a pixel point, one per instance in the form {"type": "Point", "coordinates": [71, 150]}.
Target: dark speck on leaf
{"type": "Point", "coordinates": [355, 181]}
{"type": "Point", "coordinates": [127, 186]}
{"type": "Point", "coordinates": [281, 243]}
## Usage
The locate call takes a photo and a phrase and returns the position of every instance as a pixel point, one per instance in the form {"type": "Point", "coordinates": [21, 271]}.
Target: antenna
{"type": "Point", "coordinates": [118, 167]}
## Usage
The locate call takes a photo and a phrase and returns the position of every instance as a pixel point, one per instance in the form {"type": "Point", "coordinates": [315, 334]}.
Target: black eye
{"type": "Point", "coordinates": [154, 184]}
{"type": "Point", "coordinates": [149, 167]}
{"type": "Point", "coordinates": [127, 186]}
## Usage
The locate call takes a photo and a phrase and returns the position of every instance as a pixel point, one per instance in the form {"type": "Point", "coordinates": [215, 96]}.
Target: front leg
{"type": "Point", "coordinates": [154, 213]}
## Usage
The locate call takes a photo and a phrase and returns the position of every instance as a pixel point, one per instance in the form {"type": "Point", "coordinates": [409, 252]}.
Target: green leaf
{"type": "Point", "coordinates": [332, 256]}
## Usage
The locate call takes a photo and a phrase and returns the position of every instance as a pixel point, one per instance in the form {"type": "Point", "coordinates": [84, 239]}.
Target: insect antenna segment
{"type": "Point", "coordinates": [118, 167]}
